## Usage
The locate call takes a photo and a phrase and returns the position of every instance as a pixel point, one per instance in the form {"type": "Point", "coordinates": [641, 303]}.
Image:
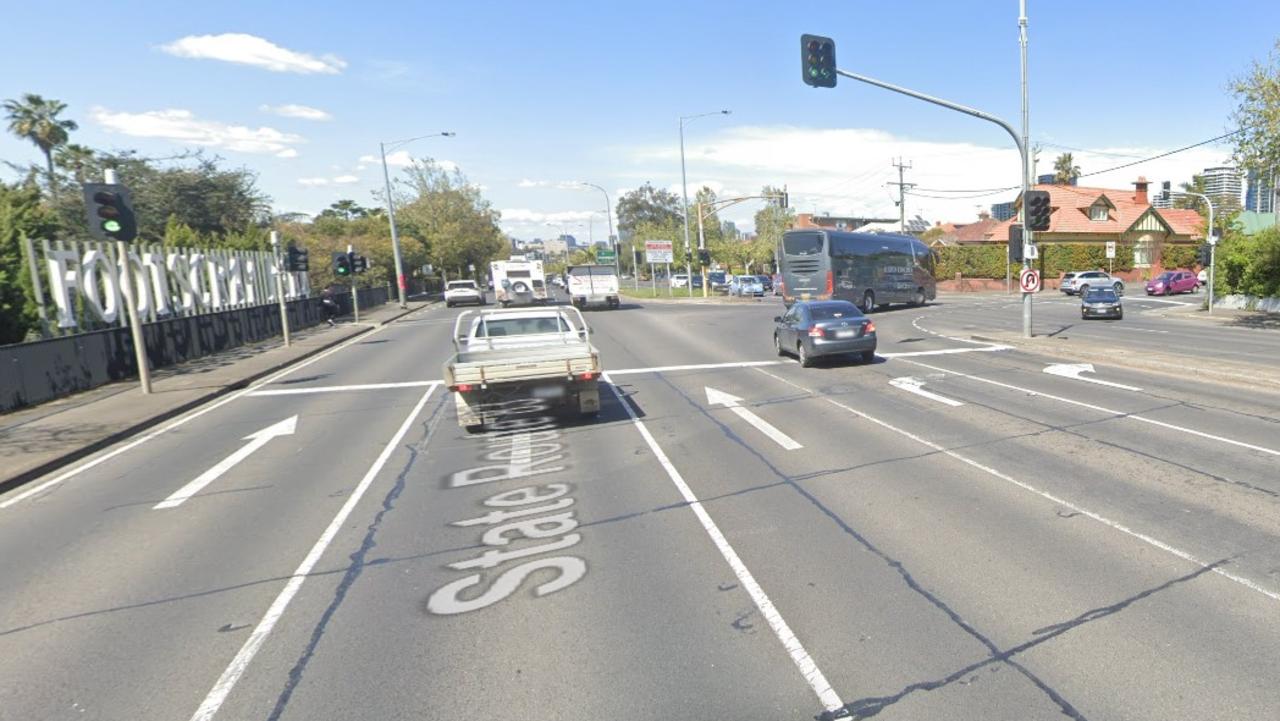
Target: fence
{"type": "Point", "coordinates": [35, 372]}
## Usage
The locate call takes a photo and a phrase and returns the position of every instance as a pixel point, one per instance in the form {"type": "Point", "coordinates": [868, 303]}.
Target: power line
{"type": "Point", "coordinates": [1091, 152]}
{"type": "Point", "coordinates": [1165, 155]}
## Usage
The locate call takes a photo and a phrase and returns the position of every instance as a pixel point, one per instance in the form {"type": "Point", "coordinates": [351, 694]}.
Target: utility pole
{"type": "Point", "coordinates": [902, 194]}
{"type": "Point", "coordinates": [1027, 160]}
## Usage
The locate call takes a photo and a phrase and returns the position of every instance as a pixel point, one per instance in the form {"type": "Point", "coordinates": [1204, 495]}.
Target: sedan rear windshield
{"type": "Point", "coordinates": [462, 285]}
{"type": "Point", "coordinates": [493, 327]}
{"type": "Point", "coordinates": [1101, 295]}
{"type": "Point", "coordinates": [834, 311]}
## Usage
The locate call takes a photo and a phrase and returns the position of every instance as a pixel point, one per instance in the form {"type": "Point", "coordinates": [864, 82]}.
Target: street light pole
{"type": "Point", "coordinates": [1027, 239]}
{"type": "Point", "coordinates": [684, 186]}
{"type": "Point", "coordinates": [608, 214]}
{"type": "Point", "coordinates": [391, 209]}
{"type": "Point", "coordinates": [1213, 245]}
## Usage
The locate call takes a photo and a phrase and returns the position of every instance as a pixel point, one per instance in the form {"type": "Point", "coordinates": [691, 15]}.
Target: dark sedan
{"type": "Point", "coordinates": [1101, 303]}
{"type": "Point", "coordinates": [814, 329]}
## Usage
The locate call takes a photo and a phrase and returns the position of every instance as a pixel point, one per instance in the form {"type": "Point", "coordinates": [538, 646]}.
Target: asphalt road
{"type": "Point", "coordinates": [1014, 545]}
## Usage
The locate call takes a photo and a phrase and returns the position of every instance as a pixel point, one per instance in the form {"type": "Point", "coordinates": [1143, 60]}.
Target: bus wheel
{"type": "Point", "coordinates": [868, 302]}
{"type": "Point", "coordinates": [918, 299]}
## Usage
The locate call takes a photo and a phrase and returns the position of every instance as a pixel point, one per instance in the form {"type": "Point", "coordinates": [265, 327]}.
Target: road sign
{"type": "Point", "coordinates": [659, 251]}
{"type": "Point", "coordinates": [606, 256]}
{"type": "Point", "coordinates": [1111, 249]}
{"type": "Point", "coordinates": [1031, 251]}
{"type": "Point", "coordinates": [1029, 280]}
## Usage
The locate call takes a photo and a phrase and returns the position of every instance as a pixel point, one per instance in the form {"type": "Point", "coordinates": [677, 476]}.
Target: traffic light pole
{"type": "Point", "coordinates": [355, 296]}
{"type": "Point", "coordinates": [1017, 140]}
{"type": "Point", "coordinates": [284, 309]}
{"type": "Point", "coordinates": [131, 304]}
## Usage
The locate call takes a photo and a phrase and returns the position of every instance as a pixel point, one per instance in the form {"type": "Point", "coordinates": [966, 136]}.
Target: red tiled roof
{"type": "Point", "coordinates": [1070, 213]}
{"type": "Point", "coordinates": [973, 232]}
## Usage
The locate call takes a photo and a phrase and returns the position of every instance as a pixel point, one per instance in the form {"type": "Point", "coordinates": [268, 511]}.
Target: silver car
{"type": "Point", "coordinates": [1080, 282]}
{"type": "Point", "coordinates": [812, 329]}
{"type": "Point", "coordinates": [746, 285]}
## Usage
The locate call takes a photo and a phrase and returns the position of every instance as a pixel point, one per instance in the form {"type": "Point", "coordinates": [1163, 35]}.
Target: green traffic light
{"type": "Point", "coordinates": [111, 226]}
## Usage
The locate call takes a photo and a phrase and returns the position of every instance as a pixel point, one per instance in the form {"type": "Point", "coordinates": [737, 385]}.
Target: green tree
{"type": "Point", "coordinates": [1065, 169]}
{"type": "Point", "coordinates": [36, 119]}
{"type": "Point", "coordinates": [78, 160]}
{"type": "Point", "coordinates": [1257, 114]}
{"type": "Point", "coordinates": [771, 222]}
{"type": "Point", "coordinates": [648, 205]}
{"type": "Point", "coordinates": [21, 216]}
{"type": "Point", "coordinates": [345, 209]}
{"type": "Point", "coordinates": [449, 218]}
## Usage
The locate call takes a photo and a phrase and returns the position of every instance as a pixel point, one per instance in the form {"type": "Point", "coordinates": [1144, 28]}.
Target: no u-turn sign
{"type": "Point", "coordinates": [1029, 280]}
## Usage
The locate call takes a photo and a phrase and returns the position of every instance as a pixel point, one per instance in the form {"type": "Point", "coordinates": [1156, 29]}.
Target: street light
{"type": "Point", "coordinates": [1213, 246]}
{"type": "Point", "coordinates": [608, 213]}
{"type": "Point", "coordinates": [684, 185]}
{"type": "Point", "coordinates": [391, 206]}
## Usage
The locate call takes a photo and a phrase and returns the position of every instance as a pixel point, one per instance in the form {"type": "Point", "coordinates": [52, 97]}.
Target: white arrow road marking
{"type": "Point", "coordinates": [720, 398]}
{"type": "Point", "coordinates": [911, 384]}
{"type": "Point", "coordinates": [1073, 370]}
{"type": "Point", "coordinates": [256, 441]}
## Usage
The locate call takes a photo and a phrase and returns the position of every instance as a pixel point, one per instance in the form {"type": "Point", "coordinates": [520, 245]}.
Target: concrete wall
{"type": "Point", "coordinates": [32, 373]}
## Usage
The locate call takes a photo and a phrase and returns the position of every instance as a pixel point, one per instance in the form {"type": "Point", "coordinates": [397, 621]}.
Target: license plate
{"type": "Point", "coordinates": [548, 392]}
{"type": "Point", "coordinates": [845, 333]}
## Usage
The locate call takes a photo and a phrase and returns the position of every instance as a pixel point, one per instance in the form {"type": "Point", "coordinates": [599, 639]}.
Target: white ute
{"type": "Point", "coordinates": [513, 355]}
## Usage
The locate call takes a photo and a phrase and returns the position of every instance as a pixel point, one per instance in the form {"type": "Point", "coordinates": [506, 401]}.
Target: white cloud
{"type": "Point", "coordinates": [289, 110]}
{"type": "Point", "coordinates": [346, 180]}
{"type": "Point", "coordinates": [557, 184]}
{"type": "Point", "coordinates": [181, 126]}
{"type": "Point", "coordinates": [845, 171]}
{"type": "Point", "coordinates": [402, 159]}
{"type": "Point", "coordinates": [320, 182]}
{"type": "Point", "coordinates": [533, 217]}
{"type": "Point", "coordinates": [248, 49]}
{"type": "Point", "coordinates": [287, 153]}
{"type": "Point", "coordinates": [313, 182]}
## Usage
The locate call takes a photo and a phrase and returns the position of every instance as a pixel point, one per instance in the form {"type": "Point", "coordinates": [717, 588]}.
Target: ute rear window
{"type": "Point", "coordinates": [802, 244]}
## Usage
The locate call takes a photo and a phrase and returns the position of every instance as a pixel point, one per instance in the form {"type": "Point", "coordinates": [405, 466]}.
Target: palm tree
{"type": "Point", "coordinates": [1065, 170]}
{"type": "Point", "coordinates": [36, 119]}
{"type": "Point", "coordinates": [76, 159]}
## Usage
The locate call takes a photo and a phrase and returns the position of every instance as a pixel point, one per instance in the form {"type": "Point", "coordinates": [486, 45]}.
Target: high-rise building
{"type": "Point", "coordinates": [1223, 184]}
{"type": "Point", "coordinates": [1260, 192]}
{"type": "Point", "coordinates": [1003, 211]}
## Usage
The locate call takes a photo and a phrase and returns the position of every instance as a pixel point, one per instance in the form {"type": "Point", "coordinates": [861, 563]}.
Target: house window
{"type": "Point", "coordinates": [1098, 212]}
{"type": "Point", "coordinates": [1142, 253]}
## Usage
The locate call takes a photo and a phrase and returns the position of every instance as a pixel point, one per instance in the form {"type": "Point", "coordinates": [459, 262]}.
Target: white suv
{"type": "Point", "coordinates": [1078, 283]}
{"type": "Point", "coordinates": [463, 291]}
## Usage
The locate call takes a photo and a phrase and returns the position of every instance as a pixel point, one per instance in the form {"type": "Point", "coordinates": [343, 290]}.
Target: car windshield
{"type": "Point", "coordinates": [834, 311]}
{"type": "Point", "coordinates": [462, 285]}
{"type": "Point", "coordinates": [1165, 276]}
{"type": "Point", "coordinates": [1101, 295]}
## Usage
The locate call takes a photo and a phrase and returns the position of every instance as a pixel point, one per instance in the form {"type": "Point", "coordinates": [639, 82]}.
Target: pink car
{"type": "Point", "coordinates": [1173, 281]}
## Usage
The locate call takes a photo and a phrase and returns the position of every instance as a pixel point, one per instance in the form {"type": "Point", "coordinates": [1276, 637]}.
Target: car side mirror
{"type": "Point", "coordinates": [777, 319]}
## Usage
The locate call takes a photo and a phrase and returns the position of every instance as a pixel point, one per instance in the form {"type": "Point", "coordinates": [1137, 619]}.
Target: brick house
{"type": "Point", "coordinates": [1097, 215]}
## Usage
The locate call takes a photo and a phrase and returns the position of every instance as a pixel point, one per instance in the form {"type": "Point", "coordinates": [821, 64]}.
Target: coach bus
{"type": "Point", "coordinates": [871, 270]}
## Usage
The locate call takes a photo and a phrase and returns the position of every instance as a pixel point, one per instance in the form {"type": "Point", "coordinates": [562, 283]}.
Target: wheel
{"type": "Point", "coordinates": [448, 304]}
{"type": "Point", "coordinates": [868, 302]}
{"type": "Point", "coordinates": [1118, 288]}
{"type": "Point", "coordinates": [777, 345]}
{"type": "Point", "coordinates": [1168, 290]}
{"type": "Point", "coordinates": [1120, 315]}
{"type": "Point", "coordinates": [806, 360]}
{"type": "Point", "coordinates": [867, 356]}
{"type": "Point", "coordinates": [1083, 316]}
{"type": "Point", "coordinates": [918, 299]}
{"type": "Point", "coordinates": [1082, 291]}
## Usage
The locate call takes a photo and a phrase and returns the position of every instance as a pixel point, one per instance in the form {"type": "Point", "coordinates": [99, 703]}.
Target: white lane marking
{"type": "Point", "coordinates": [1145, 330]}
{"type": "Point", "coordinates": [1150, 540]}
{"type": "Point", "coordinates": [916, 386]}
{"type": "Point", "coordinates": [337, 389]}
{"type": "Point", "coordinates": [184, 419]}
{"type": "Point", "coordinates": [720, 398]}
{"type": "Point", "coordinates": [1102, 409]}
{"type": "Point", "coordinates": [1162, 300]}
{"type": "Point", "coordinates": [806, 665]}
{"type": "Point", "coordinates": [257, 440]}
{"type": "Point", "coordinates": [1073, 370]}
{"type": "Point", "coordinates": [947, 351]}
{"type": "Point", "coordinates": [694, 367]}
{"type": "Point", "coordinates": [916, 324]}
{"type": "Point", "coordinates": [218, 694]}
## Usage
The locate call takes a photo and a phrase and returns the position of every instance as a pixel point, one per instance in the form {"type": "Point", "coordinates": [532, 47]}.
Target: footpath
{"type": "Point", "coordinates": [43, 438]}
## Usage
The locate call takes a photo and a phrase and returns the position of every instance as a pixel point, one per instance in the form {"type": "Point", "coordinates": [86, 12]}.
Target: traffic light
{"type": "Point", "coordinates": [1015, 244]}
{"type": "Point", "coordinates": [342, 264]}
{"type": "Point", "coordinates": [638, 257]}
{"type": "Point", "coordinates": [296, 260]}
{"type": "Point", "coordinates": [1035, 206]}
{"type": "Point", "coordinates": [1205, 254]}
{"type": "Point", "coordinates": [786, 200]}
{"type": "Point", "coordinates": [704, 257]}
{"type": "Point", "coordinates": [109, 210]}
{"type": "Point", "coordinates": [1164, 191]}
{"type": "Point", "coordinates": [360, 264]}
{"type": "Point", "coordinates": [818, 61]}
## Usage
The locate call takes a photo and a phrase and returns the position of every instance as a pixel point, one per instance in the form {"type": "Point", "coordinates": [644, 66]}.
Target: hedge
{"type": "Point", "coordinates": [988, 261]}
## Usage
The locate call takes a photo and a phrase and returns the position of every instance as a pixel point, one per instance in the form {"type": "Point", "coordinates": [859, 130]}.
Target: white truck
{"type": "Point", "coordinates": [593, 285]}
{"type": "Point", "coordinates": [518, 281]}
{"type": "Point", "coordinates": [542, 355]}
{"type": "Point", "coordinates": [463, 291]}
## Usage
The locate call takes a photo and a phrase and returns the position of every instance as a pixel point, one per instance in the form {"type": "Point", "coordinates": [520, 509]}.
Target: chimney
{"type": "Point", "coordinates": [1140, 191]}
{"type": "Point", "coordinates": [984, 215]}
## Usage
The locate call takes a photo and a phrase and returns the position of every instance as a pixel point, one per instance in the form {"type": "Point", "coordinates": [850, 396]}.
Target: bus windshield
{"type": "Point", "coordinates": [802, 244]}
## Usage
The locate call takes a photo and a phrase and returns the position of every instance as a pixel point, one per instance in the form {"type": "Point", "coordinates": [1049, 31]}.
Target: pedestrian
{"type": "Point", "coordinates": [329, 305]}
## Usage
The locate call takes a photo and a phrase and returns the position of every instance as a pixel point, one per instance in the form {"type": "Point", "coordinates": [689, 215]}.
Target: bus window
{"type": "Point", "coordinates": [802, 244]}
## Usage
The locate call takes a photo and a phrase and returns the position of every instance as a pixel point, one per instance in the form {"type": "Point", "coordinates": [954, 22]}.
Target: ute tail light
{"type": "Point", "coordinates": [831, 283]}
{"type": "Point", "coordinates": [588, 376]}
{"type": "Point", "coordinates": [870, 327]}
{"type": "Point", "coordinates": [461, 388]}
{"type": "Point", "coordinates": [816, 333]}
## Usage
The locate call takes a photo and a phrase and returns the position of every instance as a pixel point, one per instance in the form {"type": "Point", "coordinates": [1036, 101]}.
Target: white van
{"type": "Point", "coordinates": [593, 285]}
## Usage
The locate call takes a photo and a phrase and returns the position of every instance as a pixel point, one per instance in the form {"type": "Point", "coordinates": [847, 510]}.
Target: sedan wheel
{"type": "Point", "coordinates": [806, 360]}
{"type": "Point", "coordinates": [777, 345]}
{"type": "Point", "coordinates": [868, 356]}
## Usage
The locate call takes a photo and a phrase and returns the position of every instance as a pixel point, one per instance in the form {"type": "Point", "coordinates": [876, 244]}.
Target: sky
{"type": "Point", "coordinates": [544, 96]}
